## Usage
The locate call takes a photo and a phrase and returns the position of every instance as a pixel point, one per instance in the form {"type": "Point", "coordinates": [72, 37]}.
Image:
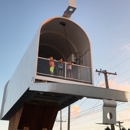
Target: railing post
{"type": "Point", "coordinates": [65, 70]}
{"type": "Point", "coordinates": [79, 72]}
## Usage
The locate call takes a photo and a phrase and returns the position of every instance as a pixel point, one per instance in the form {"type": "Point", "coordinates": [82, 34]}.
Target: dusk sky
{"type": "Point", "coordinates": [107, 23]}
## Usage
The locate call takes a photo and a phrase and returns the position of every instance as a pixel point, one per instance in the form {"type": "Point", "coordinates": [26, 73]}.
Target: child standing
{"type": "Point", "coordinates": [60, 67]}
{"type": "Point", "coordinates": [52, 65]}
{"type": "Point", "coordinates": [69, 69]}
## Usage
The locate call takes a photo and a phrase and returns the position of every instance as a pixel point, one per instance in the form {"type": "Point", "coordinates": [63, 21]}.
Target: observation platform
{"type": "Point", "coordinates": [32, 86]}
{"type": "Point", "coordinates": [80, 73]}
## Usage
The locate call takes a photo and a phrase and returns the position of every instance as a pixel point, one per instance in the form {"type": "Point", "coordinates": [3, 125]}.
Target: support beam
{"type": "Point", "coordinates": [64, 99]}
{"type": "Point", "coordinates": [14, 121]}
{"type": "Point", "coordinates": [70, 9]}
{"type": "Point", "coordinates": [81, 90]}
{"type": "Point", "coordinates": [34, 117]}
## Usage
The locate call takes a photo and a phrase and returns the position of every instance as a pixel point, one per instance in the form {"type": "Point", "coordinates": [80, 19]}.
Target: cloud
{"type": "Point", "coordinates": [124, 114]}
{"type": "Point", "coordinates": [114, 85]}
{"type": "Point", "coordinates": [75, 109]}
{"type": "Point", "coordinates": [127, 47]}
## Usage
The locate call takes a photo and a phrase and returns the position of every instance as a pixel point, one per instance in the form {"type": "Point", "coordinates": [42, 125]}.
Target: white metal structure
{"type": "Point", "coordinates": [51, 36]}
{"type": "Point", "coordinates": [59, 37]}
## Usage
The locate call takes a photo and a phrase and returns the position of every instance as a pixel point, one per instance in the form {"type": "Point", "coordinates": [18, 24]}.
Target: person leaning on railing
{"type": "Point", "coordinates": [52, 65]}
{"type": "Point", "coordinates": [69, 70]}
{"type": "Point", "coordinates": [60, 67]}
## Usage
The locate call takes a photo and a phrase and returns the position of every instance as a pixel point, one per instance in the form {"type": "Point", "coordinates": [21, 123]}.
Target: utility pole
{"type": "Point", "coordinates": [60, 120]}
{"type": "Point", "coordinates": [119, 124]}
{"type": "Point", "coordinates": [107, 86]}
{"type": "Point", "coordinates": [69, 117]}
{"type": "Point", "coordinates": [105, 75]}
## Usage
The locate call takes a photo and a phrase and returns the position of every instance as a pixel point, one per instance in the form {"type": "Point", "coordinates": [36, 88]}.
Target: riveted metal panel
{"type": "Point", "coordinates": [22, 77]}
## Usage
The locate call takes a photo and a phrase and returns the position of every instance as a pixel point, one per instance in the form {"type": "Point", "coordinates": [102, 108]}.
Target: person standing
{"type": "Point", "coordinates": [60, 67]}
{"type": "Point", "coordinates": [69, 69]}
{"type": "Point", "coordinates": [52, 65]}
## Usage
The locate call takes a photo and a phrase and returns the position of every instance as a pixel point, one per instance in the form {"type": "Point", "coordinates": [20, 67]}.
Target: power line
{"type": "Point", "coordinates": [116, 66]}
{"type": "Point", "coordinates": [119, 64]}
{"type": "Point", "coordinates": [117, 105]}
{"type": "Point", "coordinates": [95, 106]}
{"type": "Point", "coordinates": [95, 76]}
{"type": "Point", "coordinates": [121, 82]}
{"type": "Point", "coordinates": [99, 80]}
{"type": "Point", "coordinates": [80, 105]}
{"type": "Point", "coordinates": [116, 55]}
{"type": "Point", "coordinates": [100, 116]}
{"type": "Point", "coordinates": [88, 120]}
{"type": "Point", "coordinates": [90, 113]}
{"type": "Point", "coordinates": [77, 108]}
{"type": "Point", "coordinates": [98, 110]}
{"type": "Point", "coordinates": [109, 83]}
{"type": "Point", "coordinates": [87, 112]}
{"type": "Point", "coordinates": [107, 86]}
{"type": "Point", "coordinates": [113, 78]}
{"type": "Point", "coordinates": [121, 74]}
{"type": "Point", "coordinates": [90, 109]}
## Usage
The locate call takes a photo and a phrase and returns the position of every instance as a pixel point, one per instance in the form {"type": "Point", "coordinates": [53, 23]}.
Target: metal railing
{"type": "Point", "coordinates": [77, 73]}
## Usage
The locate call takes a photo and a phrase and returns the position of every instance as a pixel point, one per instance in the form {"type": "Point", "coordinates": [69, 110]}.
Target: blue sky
{"type": "Point", "coordinates": [107, 24]}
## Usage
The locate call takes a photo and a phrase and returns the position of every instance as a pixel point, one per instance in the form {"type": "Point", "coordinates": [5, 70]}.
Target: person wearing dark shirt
{"type": "Point", "coordinates": [60, 67]}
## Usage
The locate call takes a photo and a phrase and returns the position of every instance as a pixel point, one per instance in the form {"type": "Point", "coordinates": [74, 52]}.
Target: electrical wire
{"type": "Point", "coordinates": [117, 76]}
{"type": "Point", "coordinates": [119, 64]}
{"type": "Point", "coordinates": [103, 82]}
{"type": "Point", "coordinates": [86, 110]}
{"type": "Point", "coordinates": [113, 77]}
{"type": "Point", "coordinates": [117, 105]}
{"type": "Point", "coordinates": [87, 121]}
{"type": "Point", "coordinates": [116, 55]}
{"type": "Point", "coordinates": [80, 105]}
{"type": "Point", "coordinates": [122, 74]}
{"type": "Point", "coordinates": [89, 109]}
{"type": "Point", "coordinates": [99, 80]}
{"type": "Point", "coordinates": [77, 108]}
{"type": "Point", "coordinates": [121, 82]}
{"type": "Point", "coordinates": [96, 78]}
{"type": "Point", "coordinates": [116, 66]}
{"type": "Point", "coordinates": [100, 116]}
{"type": "Point", "coordinates": [88, 114]}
